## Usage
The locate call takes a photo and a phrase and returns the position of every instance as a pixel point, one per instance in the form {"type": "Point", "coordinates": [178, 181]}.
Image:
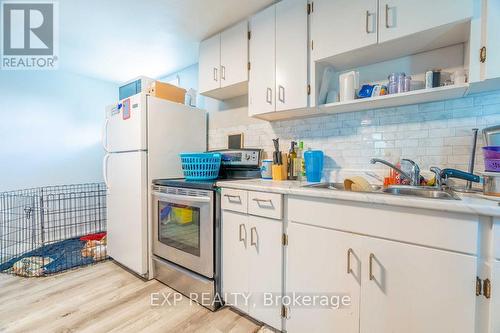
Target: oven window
{"type": "Point", "coordinates": [179, 227]}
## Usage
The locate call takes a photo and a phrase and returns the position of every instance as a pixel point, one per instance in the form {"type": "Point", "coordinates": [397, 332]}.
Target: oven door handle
{"type": "Point", "coordinates": [181, 197]}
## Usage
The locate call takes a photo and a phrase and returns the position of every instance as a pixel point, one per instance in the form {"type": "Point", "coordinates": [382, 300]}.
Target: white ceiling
{"type": "Point", "coordinates": [117, 40]}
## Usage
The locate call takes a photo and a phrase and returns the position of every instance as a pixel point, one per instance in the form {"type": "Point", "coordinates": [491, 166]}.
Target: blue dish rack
{"type": "Point", "coordinates": [201, 166]}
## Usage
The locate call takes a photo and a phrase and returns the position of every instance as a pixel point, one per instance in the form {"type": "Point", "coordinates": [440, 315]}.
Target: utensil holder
{"type": "Point", "coordinates": [279, 172]}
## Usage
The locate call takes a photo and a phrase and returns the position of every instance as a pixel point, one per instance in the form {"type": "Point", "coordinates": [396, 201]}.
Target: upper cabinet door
{"type": "Point", "coordinates": [291, 55]}
{"type": "Point", "coordinates": [209, 63]}
{"type": "Point", "coordinates": [234, 55]}
{"type": "Point", "coordinates": [491, 28]}
{"type": "Point", "coordinates": [342, 25]}
{"type": "Point", "coordinates": [261, 85]}
{"type": "Point", "coordinates": [413, 289]}
{"type": "Point", "coordinates": [399, 18]}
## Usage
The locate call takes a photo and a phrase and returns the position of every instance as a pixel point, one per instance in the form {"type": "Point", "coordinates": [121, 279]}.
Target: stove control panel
{"type": "Point", "coordinates": [240, 157]}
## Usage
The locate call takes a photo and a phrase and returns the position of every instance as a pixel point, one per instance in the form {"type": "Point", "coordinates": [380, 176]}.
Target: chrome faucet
{"type": "Point", "coordinates": [414, 177]}
{"type": "Point", "coordinates": [415, 171]}
{"type": "Point", "coordinates": [439, 179]}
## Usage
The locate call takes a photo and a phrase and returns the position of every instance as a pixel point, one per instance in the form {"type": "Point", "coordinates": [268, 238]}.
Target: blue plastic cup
{"type": "Point", "coordinates": [314, 165]}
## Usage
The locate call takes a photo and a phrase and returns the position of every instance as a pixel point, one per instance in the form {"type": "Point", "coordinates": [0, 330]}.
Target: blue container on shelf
{"type": "Point", "coordinates": [200, 166]}
{"type": "Point", "coordinates": [314, 165]}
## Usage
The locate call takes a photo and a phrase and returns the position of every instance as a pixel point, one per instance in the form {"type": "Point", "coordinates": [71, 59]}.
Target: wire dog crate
{"type": "Point", "coordinates": [50, 229]}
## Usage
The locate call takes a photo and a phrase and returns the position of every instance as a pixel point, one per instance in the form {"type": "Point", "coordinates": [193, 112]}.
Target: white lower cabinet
{"type": "Point", "coordinates": [235, 268]}
{"type": "Point", "coordinates": [318, 265]}
{"type": "Point", "coordinates": [408, 288]}
{"type": "Point", "coordinates": [265, 272]}
{"type": "Point", "coordinates": [393, 286]}
{"type": "Point", "coordinates": [252, 265]}
{"type": "Point", "coordinates": [495, 298]}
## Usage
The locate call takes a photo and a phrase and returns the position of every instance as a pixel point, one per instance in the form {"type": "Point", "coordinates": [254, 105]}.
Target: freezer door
{"type": "Point", "coordinates": [125, 128]}
{"type": "Point", "coordinates": [173, 128]}
{"type": "Point", "coordinates": [127, 210]}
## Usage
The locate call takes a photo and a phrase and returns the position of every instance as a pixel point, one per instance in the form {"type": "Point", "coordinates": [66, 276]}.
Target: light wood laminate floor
{"type": "Point", "coordinates": [104, 298]}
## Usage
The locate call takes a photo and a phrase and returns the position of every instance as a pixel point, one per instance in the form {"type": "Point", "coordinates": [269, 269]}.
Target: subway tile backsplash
{"type": "Point", "coordinates": [432, 134]}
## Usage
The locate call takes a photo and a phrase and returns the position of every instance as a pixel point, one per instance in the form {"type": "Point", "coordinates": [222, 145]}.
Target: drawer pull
{"type": "Point", "coordinates": [230, 196]}
{"type": "Point", "coordinates": [252, 242]}
{"type": "Point", "coordinates": [349, 252]}
{"type": "Point", "coordinates": [242, 228]}
{"type": "Point", "coordinates": [372, 256]}
{"type": "Point", "coordinates": [263, 200]}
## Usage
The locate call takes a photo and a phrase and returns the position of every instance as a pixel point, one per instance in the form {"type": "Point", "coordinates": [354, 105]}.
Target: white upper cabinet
{"type": "Point", "coordinates": [399, 18]}
{"type": "Point", "coordinates": [291, 55]}
{"type": "Point", "coordinates": [342, 25]}
{"type": "Point", "coordinates": [278, 58]}
{"type": "Point", "coordinates": [209, 62]}
{"type": "Point", "coordinates": [234, 55]}
{"type": "Point", "coordinates": [262, 76]}
{"type": "Point", "coordinates": [492, 40]}
{"type": "Point", "coordinates": [223, 63]}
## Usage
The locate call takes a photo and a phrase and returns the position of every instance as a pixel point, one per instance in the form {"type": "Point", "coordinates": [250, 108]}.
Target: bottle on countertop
{"type": "Point", "coordinates": [303, 167]}
{"type": "Point", "coordinates": [299, 167]}
{"type": "Point", "coordinates": [292, 156]}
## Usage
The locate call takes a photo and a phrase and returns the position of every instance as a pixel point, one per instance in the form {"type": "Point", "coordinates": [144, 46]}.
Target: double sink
{"type": "Point", "coordinates": [399, 190]}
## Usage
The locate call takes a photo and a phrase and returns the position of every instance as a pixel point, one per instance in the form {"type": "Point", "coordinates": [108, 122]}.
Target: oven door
{"type": "Point", "coordinates": [183, 231]}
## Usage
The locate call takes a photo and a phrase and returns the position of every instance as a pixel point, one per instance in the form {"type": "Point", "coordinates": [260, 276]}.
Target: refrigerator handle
{"type": "Point", "coordinates": [105, 169]}
{"type": "Point", "coordinates": [105, 135]}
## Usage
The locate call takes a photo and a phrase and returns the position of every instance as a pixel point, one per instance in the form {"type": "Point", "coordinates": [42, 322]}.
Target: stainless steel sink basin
{"type": "Point", "coordinates": [422, 192]}
{"type": "Point", "coordinates": [339, 186]}
{"type": "Point", "coordinates": [401, 190]}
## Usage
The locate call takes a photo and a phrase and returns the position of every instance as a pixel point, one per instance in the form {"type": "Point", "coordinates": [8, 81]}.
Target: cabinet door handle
{"type": "Point", "coordinates": [387, 16]}
{"type": "Point", "coordinates": [367, 21]}
{"type": "Point", "coordinates": [372, 256]}
{"type": "Point", "coordinates": [269, 96]}
{"type": "Point", "coordinates": [215, 74]}
{"type": "Point", "coordinates": [349, 252]}
{"type": "Point", "coordinates": [223, 72]}
{"type": "Point", "coordinates": [252, 242]}
{"type": "Point", "coordinates": [281, 94]}
{"type": "Point", "coordinates": [242, 228]}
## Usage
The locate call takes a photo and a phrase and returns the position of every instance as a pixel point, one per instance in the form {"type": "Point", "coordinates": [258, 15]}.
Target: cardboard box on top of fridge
{"type": "Point", "coordinates": [167, 91]}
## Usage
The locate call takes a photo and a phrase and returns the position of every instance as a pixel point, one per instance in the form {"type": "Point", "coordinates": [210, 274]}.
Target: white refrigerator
{"type": "Point", "coordinates": [143, 136]}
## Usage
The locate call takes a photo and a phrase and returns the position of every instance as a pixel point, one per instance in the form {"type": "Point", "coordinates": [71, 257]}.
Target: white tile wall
{"type": "Point", "coordinates": [437, 133]}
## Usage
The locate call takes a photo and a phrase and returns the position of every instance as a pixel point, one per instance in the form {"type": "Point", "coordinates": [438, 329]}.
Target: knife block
{"type": "Point", "coordinates": [280, 170]}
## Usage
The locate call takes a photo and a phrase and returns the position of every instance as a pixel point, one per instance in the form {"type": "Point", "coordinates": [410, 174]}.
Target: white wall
{"type": "Point", "coordinates": [50, 128]}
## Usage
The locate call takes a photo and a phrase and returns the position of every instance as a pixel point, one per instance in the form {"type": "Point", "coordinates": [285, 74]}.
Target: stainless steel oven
{"type": "Point", "coordinates": [183, 228]}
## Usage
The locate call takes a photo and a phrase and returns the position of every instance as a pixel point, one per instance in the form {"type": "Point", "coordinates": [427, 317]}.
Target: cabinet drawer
{"type": "Point", "coordinates": [265, 204]}
{"type": "Point", "coordinates": [235, 200]}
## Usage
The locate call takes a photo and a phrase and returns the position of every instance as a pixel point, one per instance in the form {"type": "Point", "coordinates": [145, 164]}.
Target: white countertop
{"type": "Point", "coordinates": [470, 203]}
